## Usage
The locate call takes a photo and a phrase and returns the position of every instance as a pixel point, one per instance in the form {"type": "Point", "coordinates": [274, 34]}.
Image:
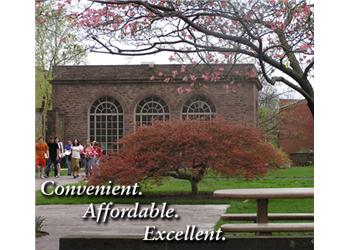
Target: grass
{"type": "Point", "coordinates": [174, 191]}
{"type": "Point", "coordinates": [39, 225]}
{"type": "Point", "coordinates": [294, 172]}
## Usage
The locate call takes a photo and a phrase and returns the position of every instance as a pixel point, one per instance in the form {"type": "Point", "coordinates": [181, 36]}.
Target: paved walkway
{"type": "Point", "coordinates": [64, 220]}
{"type": "Point", "coordinates": [63, 180]}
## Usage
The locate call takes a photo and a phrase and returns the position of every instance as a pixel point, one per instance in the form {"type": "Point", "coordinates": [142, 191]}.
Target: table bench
{"type": "Point", "coordinates": [268, 227]}
{"type": "Point", "coordinates": [262, 217]}
{"type": "Point", "coordinates": [271, 216]}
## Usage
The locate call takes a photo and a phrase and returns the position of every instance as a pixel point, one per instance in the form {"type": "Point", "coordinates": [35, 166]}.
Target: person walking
{"type": "Point", "coordinates": [68, 157]}
{"type": "Point", "coordinates": [89, 154]}
{"type": "Point", "coordinates": [83, 160]}
{"type": "Point", "coordinates": [41, 150]}
{"type": "Point", "coordinates": [76, 151]}
{"type": "Point", "coordinates": [53, 157]}
{"type": "Point", "coordinates": [60, 155]}
{"type": "Point", "coordinates": [98, 153]}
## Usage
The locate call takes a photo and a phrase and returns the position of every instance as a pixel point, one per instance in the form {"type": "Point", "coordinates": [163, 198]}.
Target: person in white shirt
{"type": "Point", "coordinates": [60, 155]}
{"type": "Point", "coordinates": [76, 151]}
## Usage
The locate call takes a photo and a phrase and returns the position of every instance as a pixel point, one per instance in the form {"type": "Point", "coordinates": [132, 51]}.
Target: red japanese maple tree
{"type": "Point", "coordinates": [187, 149]}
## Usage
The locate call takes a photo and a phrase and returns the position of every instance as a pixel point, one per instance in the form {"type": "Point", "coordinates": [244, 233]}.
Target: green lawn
{"type": "Point", "coordinates": [176, 191]}
{"type": "Point", "coordinates": [295, 172]}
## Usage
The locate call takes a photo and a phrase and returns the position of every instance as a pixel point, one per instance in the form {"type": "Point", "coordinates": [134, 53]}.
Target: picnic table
{"type": "Point", "coordinates": [262, 196]}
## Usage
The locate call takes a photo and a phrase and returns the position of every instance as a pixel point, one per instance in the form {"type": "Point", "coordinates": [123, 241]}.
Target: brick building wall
{"type": "Point", "coordinates": [296, 126]}
{"type": "Point", "coordinates": [76, 88]}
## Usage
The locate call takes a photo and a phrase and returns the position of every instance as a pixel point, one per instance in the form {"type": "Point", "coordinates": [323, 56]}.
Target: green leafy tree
{"type": "Point", "coordinates": [268, 110]}
{"type": "Point", "coordinates": [58, 41]}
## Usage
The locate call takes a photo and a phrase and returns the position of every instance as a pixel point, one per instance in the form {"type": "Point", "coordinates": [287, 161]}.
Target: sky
{"type": "Point", "coordinates": [108, 59]}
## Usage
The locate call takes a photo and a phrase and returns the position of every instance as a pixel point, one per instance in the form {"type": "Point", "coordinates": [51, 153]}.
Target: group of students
{"type": "Point", "coordinates": [72, 155]}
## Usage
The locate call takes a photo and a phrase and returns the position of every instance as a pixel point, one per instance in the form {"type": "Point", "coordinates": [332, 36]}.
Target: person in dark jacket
{"type": "Point", "coordinates": [53, 157]}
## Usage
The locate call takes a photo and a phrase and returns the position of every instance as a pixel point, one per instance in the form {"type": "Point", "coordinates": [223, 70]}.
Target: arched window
{"type": "Point", "coordinates": [198, 107]}
{"type": "Point", "coordinates": [106, 122]}
{"type": "Point", "coordinates": [151, 109]}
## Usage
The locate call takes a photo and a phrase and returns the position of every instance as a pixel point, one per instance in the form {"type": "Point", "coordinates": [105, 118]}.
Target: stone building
{"type": "Point", "coordinates": [104, 103]}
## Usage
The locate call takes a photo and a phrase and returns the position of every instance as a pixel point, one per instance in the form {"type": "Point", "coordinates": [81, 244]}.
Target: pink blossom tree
{"type": "Point", "coordinates": [276, 35]}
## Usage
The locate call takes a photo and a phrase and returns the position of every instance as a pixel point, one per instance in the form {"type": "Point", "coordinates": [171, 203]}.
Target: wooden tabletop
{"type": "Point", "coordinates": [265, 193]}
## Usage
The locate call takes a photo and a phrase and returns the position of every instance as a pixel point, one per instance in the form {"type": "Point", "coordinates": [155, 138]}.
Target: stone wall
{"type": "Point", "coordinates": [127, 243]}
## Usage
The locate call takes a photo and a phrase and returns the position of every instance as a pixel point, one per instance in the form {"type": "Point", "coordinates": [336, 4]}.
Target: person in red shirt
{"type": "Point", "coordinates": [98, 153]}
{"type": "Point", "coordinates": [41, 154]}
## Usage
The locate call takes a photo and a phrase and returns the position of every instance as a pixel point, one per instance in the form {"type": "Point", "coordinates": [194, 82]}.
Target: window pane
{"type": "Point", "coordinates": [106, 121]}
{"type": "Point", "coordinates": [198, 107]}
{"type": "Point", "coordinates": [151, 109]}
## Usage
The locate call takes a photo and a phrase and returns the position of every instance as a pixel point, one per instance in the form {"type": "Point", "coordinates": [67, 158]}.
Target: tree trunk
{"type": "Point", "coordinates": [310, 104]}
{"type": "Point", "coordinates": [194, 187]}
